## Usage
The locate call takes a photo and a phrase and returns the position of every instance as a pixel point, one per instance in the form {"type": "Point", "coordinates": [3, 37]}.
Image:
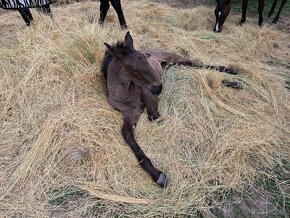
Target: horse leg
{"type": "Point", "coordinates": [167, 58]}
{"type": "Point", "coordinates": [260, 10]}
{"type": "Point", "coordinates": [45, 9]}
{"type": "Point", "coordinates": [151, 104]}
{"type": "Point", "coordinates": [244, 11]}
{"type": "Point", "coordinates": [127, 132]}
{"type": "Point", "coordinates": [104, 7]}
{"type": "Point", "coordinates": [118, 8]}
{"type": "Point", "coordinates": [272, 8]}
{"type": "Point", "coordinates": [283, 2]}
{"type": "Point", "coordinates": [173, 59]}
{"type": "Point", "coordinates": [26, 15]}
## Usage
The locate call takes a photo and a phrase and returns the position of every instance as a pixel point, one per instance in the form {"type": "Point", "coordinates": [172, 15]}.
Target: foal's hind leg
{"type": "Point", "coordinates": [173, 59]}
{"type": "Point", "coordinates": [127, 132]}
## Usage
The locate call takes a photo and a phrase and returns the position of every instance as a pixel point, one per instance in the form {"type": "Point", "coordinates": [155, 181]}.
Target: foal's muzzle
{"type": "Point", "coordinates": [156, 90]}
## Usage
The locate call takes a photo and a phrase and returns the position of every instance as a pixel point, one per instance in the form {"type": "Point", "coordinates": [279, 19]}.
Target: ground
{"type": "Point", "coordinates": [226, 151]}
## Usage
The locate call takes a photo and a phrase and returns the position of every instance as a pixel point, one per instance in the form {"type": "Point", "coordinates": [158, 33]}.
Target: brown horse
{"type": "Point", "coordinates": [221, 12]}
{"type": "Point", "coordinates": [133, 83]}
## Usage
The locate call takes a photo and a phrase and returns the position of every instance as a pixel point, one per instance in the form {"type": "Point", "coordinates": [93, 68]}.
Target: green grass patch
{"type": "Point", "coordinates": [62, 195]}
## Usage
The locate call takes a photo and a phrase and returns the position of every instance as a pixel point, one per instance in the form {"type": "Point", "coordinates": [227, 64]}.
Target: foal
{"type": "Point", "coordinates": [133, 84]}
{"type": "Point", "coordinates": [104, 7]}
{"type": "Point", "coordinates": [260, 10]}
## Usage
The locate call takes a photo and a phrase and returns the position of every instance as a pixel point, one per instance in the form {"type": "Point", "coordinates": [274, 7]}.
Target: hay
{"type": "Point", "coordinates": [58, 131]}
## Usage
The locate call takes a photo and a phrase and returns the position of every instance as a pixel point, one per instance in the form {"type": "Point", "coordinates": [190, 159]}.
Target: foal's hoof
{"type": "Point", "coordinates": [153, 117]}
{"type": "Point", "coordinates": [232, 70]}
{"type": "Point", "coordinates": [233, 85]}
{"type": "Point", "coordinates": [162, 180]}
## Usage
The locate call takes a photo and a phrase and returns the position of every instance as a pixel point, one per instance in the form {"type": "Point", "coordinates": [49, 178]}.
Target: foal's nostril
{"type": "Point", "coordinates": [156, 90]}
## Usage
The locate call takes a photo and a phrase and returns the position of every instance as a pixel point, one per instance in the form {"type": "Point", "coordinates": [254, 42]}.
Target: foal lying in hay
{"type": "Point", "coordinates": [133, 82]}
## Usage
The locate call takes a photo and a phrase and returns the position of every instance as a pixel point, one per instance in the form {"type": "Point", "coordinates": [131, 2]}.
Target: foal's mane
{"type": "Point", "coordinates": [108, 57]}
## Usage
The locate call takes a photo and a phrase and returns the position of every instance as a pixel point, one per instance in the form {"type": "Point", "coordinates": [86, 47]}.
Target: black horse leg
{"type": "Point", "coordinates": [144, 161]}
{"type": "Point", "coordinates": [260, 10]}
{"type": "Point", "coordinates": [45, 9]}
{"type": "Point", "coordinates": [26, 15]}
{"type": "Point", "coordinates": [272, 8]}
{"type": "Point", "coordinates": [118, 8]}
{"type": "Point", "coordinates": [244, 11]}
{"type": "Point", "coordinates": [283, 2]}
{"type": "Point", "coordinates": [104, 7]}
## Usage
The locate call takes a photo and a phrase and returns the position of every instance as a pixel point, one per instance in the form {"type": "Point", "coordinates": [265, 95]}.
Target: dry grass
{"type": "Point", "coordinates": [61, 150]}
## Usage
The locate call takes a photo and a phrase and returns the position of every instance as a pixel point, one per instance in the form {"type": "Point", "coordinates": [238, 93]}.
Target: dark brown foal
{"type": "Point", "coordinates": [133, 83]}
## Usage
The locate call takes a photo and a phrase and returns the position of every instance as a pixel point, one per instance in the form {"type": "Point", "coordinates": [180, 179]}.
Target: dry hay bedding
{"type": "Point", "coordinates": [62, 153]}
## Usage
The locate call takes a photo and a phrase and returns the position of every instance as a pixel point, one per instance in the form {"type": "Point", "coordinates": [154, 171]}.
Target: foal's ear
{"type": "Point", "coordinates": [108, 46]}
{"type": "Point", "coordinates": [129, 40]}
{"type": "Point", "coordinates": [115, 52]}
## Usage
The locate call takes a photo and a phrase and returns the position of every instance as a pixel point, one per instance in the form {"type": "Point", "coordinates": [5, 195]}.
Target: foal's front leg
{"type": "Point", "coordinates": [151, 104]}
{"type": "Point", "coordinates": [127, 132]}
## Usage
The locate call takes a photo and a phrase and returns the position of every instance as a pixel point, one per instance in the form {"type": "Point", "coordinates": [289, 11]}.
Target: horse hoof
{"type": "Point", "coordinates": [242, 21]}
{"type": "Point", "coordinates": [233, 85]}
{"type": "Point", "coordinates": [124, 27]}
{"type": "Point", "coordinates": [274, 22]}
{"type": "Point", "coordinates": [232, 70]}
{"type": "Point", "coordinates": [162, 180]}
{"type": "Point", "coordinates": [153, 117]}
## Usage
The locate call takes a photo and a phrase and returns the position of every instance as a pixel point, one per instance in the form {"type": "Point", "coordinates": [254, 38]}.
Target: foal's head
{"type": "Point", "coordinates": [221, 12]}
{"type": "Point", "coordinates": [135, 65]}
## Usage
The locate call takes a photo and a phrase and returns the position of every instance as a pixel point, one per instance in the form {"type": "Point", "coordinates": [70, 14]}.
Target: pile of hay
{"type": "Point", "coordinates": [62, 153]}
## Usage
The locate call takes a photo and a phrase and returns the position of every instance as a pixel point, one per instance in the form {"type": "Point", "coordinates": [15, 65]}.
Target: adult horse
{"type": "Point", "coordinates": [221, 12]}
{"type": "Point", "coordinates": [133, 83]}
{"type": "Point", "coordinates": [261, 9]}
{"type": "Point", "coordinates": [104, 7]}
